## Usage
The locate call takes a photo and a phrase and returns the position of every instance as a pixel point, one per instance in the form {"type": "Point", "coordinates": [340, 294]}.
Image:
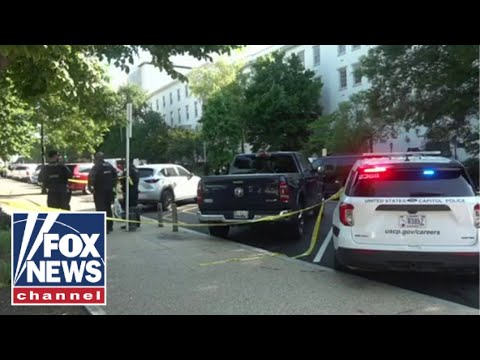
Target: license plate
{"type": "Point", "coordinates": [413, 221]}
{"type": "Point", "coordinates": [241, 214]}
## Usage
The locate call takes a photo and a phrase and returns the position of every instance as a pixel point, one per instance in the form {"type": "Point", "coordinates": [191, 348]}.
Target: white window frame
{"type": "Point", "coordinates": [179, 115]}
{"type": "Point", "coordinates": [356, 47]}
{"type": "Point", "coordinates": [354, 67]}
{"type": "Point", "coordinates": [179, 95]}
{"type": "Point", "coordinates": [301, 56]}
{"type": "Point", "coordinates": [314, 49]}
{"type": "Point", "coordinates": [340, 47]}
{"type": "Point", "coordinates": [343, 68]}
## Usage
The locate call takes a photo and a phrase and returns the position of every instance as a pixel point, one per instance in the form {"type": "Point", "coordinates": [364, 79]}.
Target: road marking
{"type": "Point", "coordinates": [324, 246]}
{"type": "Point", "coordinates": [96, 310]}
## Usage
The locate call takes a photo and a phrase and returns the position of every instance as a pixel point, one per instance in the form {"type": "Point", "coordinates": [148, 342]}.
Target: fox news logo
{"type": "Point", "coordinates": [58, 259]}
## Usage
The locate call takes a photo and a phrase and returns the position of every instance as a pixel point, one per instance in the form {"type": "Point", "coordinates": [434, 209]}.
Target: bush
{"type": "Point", "coordinates": [4, 221]}
{"type": "Point", "coordinates": [4, 257]}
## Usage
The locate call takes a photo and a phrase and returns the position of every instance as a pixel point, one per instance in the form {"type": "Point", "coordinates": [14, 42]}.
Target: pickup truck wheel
{"type": "Point", "coordinates": [219, 231]}
{"type": "Point", "coordinates": [298, 227]}
{"type": "Point", "coordinates": [167, 199]}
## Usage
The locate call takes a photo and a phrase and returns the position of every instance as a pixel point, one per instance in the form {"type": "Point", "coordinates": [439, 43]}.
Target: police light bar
{"type": "Point", "coordinates": [411, 153]}
{"type": "Point", "coordinates": [377, 169]}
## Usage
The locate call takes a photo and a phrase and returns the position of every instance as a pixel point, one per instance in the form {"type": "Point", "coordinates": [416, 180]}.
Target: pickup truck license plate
{"type": "Point", "coordinates": [240, 214]}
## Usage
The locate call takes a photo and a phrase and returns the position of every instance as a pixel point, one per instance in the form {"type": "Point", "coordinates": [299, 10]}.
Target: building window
{"type": "Point", "coordinates": [187, 112]}
{"type": "Point", "coordinates": [178, 95]}
{"type": "Point", "coordinates": [342, 49]}
{"type": "Point", "coordinates": [301, 56]}
{"type": "Point", "coordinates": [171, 99]}
{"type": "Point", "coordinates": [163, 100]}
{"type": "Point", "coordinates": [179, 115]}
{"type": "Point", "coordinates": [196, 109]}
{"type": "Point", "coordinates": [171, 118]}
{"type": "Point", "coordinates": [186, 91]}
{"type": "Point", "coordinates": [316, 55]}
{"type": "Point", "coordinates": [342, 73]}
{"type": "Point", "coordinates": [356, 47]}
{"type": "Point", "coordinates": [357, 78]}
{"type": "Point", "coordinates": [157, 105]}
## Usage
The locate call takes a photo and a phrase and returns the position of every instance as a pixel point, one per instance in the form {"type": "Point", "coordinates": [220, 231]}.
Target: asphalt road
{"type": "Point", "coordinates": [272, 237]}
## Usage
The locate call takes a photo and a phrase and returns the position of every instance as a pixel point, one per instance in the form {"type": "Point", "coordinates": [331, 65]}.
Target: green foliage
{"type": "Point", "coordinates": [209, 80]}
{"type": "Point", "coordinates": [38, 69]}
{"type": "Point", "coordinates": [436, 86]}
{"type": "Point", "coordinates": [150, 139]}
{"type": "Point", "coordinates": [4, 257]}
{"type": "Point", "coordinates": [282, 101]}
{"type": "Point", "coordinates": [65, 88]}
{"type": "Point", "coordinates": [223, 125]}
{"type": "Point", "coordinates": [184, 146]}
{"type": "Point", "coordinates": [352, 128]}
{"type": "Point", "coordinates": [16, 127]}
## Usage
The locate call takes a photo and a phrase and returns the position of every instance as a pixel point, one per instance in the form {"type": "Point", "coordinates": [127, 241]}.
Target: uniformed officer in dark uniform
{"type": "Point", "coordinates": [132, 195]}
{"type": "Point", "coordinates": [101, 182]}
{"type": "Point", "coordinates": [54, 176]}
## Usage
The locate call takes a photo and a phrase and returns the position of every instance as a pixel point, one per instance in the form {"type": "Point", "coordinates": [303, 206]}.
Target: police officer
{"type": "Point", "coordinates": [101, 182]}
{"type": "Point", "coordinates": [54, 176]}
{"type": "Point", "coordinates": [132, 194]}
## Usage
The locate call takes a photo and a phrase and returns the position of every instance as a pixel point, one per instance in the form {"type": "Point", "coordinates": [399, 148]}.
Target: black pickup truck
{"type": "Point", "coordinates": [258, 186]}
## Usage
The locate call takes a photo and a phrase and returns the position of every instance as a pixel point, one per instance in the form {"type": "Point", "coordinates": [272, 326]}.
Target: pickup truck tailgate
{"type": "Point", "coordinates": [243, 192]}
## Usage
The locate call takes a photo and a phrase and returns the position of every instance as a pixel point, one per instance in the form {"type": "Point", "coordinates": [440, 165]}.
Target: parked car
{"type": "Point", "coordinates": [407, 212]}
{"type": "Point", "coordinates": [35, 175]}
{"type": "Point", "coordinates": [79, 172]}
{"type": "Point", "coordinates": [23, 172]}
{"type": "Point", "coordinates": [166, 183]}
{"type": "Point", "coordinates": [258, 186]}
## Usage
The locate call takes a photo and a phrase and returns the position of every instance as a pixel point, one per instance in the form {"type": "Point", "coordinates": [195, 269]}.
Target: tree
{"type": "Point", "coordinates": [354, 127]}
{"type": "Point", "coordinates": [150, 138]}
{"type": "Point", "coordinates": [282, 100]}
{"type": "Point", "coordinates": [38, 69]}
{"type": "Point", "coordinates": [223, 125]}
{"type": "Point", "coordinates": [183, 146]}
{"type": "Point", "coordinates": [206, 81]}
{"type": "Point", "coordinates": [16, 127]}
{"type": "Point", "coordinates": [436, 86]}
{"type": "Point", "coordinates": [114, 140]}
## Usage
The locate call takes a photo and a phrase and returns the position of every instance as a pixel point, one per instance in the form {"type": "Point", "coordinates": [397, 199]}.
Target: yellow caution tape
{"type": "Point", "coordinates": [85, 182]}
{"type": "Point", "coordinates": [23, 205]}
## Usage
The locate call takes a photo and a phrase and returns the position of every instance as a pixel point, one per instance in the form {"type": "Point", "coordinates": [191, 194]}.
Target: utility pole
{"type": "Point", "coordinates": [127, 161]}
{"type": "Point", "coordinates": [41, 140]}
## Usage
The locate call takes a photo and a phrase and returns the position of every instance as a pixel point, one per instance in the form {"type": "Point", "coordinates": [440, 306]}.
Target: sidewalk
{"type": "Point", "coordinates": [157, 271]}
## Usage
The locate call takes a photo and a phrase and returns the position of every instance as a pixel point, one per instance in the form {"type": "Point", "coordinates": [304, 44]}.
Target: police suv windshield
{"type": "Point", "coordinates": [410, 182]}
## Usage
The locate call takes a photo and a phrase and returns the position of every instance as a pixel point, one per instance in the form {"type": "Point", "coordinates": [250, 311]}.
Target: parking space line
{"type": "Point", "coordinates": [324, 246]}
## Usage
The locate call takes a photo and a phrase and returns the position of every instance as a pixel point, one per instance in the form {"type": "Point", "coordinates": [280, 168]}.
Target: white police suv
{"type": "Point", "coordinates": [407, 211]}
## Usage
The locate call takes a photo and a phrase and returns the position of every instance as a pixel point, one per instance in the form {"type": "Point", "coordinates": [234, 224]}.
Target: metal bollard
{"type": "Point", "coordinates": [160, 214]}
{"type": "Point", "coordinates": [174, 217]}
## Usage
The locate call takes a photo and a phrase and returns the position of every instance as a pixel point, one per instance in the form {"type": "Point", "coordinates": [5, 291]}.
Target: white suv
{"type": "Point", "coordinates": [166, 183]}
{"type": "Point", "coordinates": [407, 211]}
